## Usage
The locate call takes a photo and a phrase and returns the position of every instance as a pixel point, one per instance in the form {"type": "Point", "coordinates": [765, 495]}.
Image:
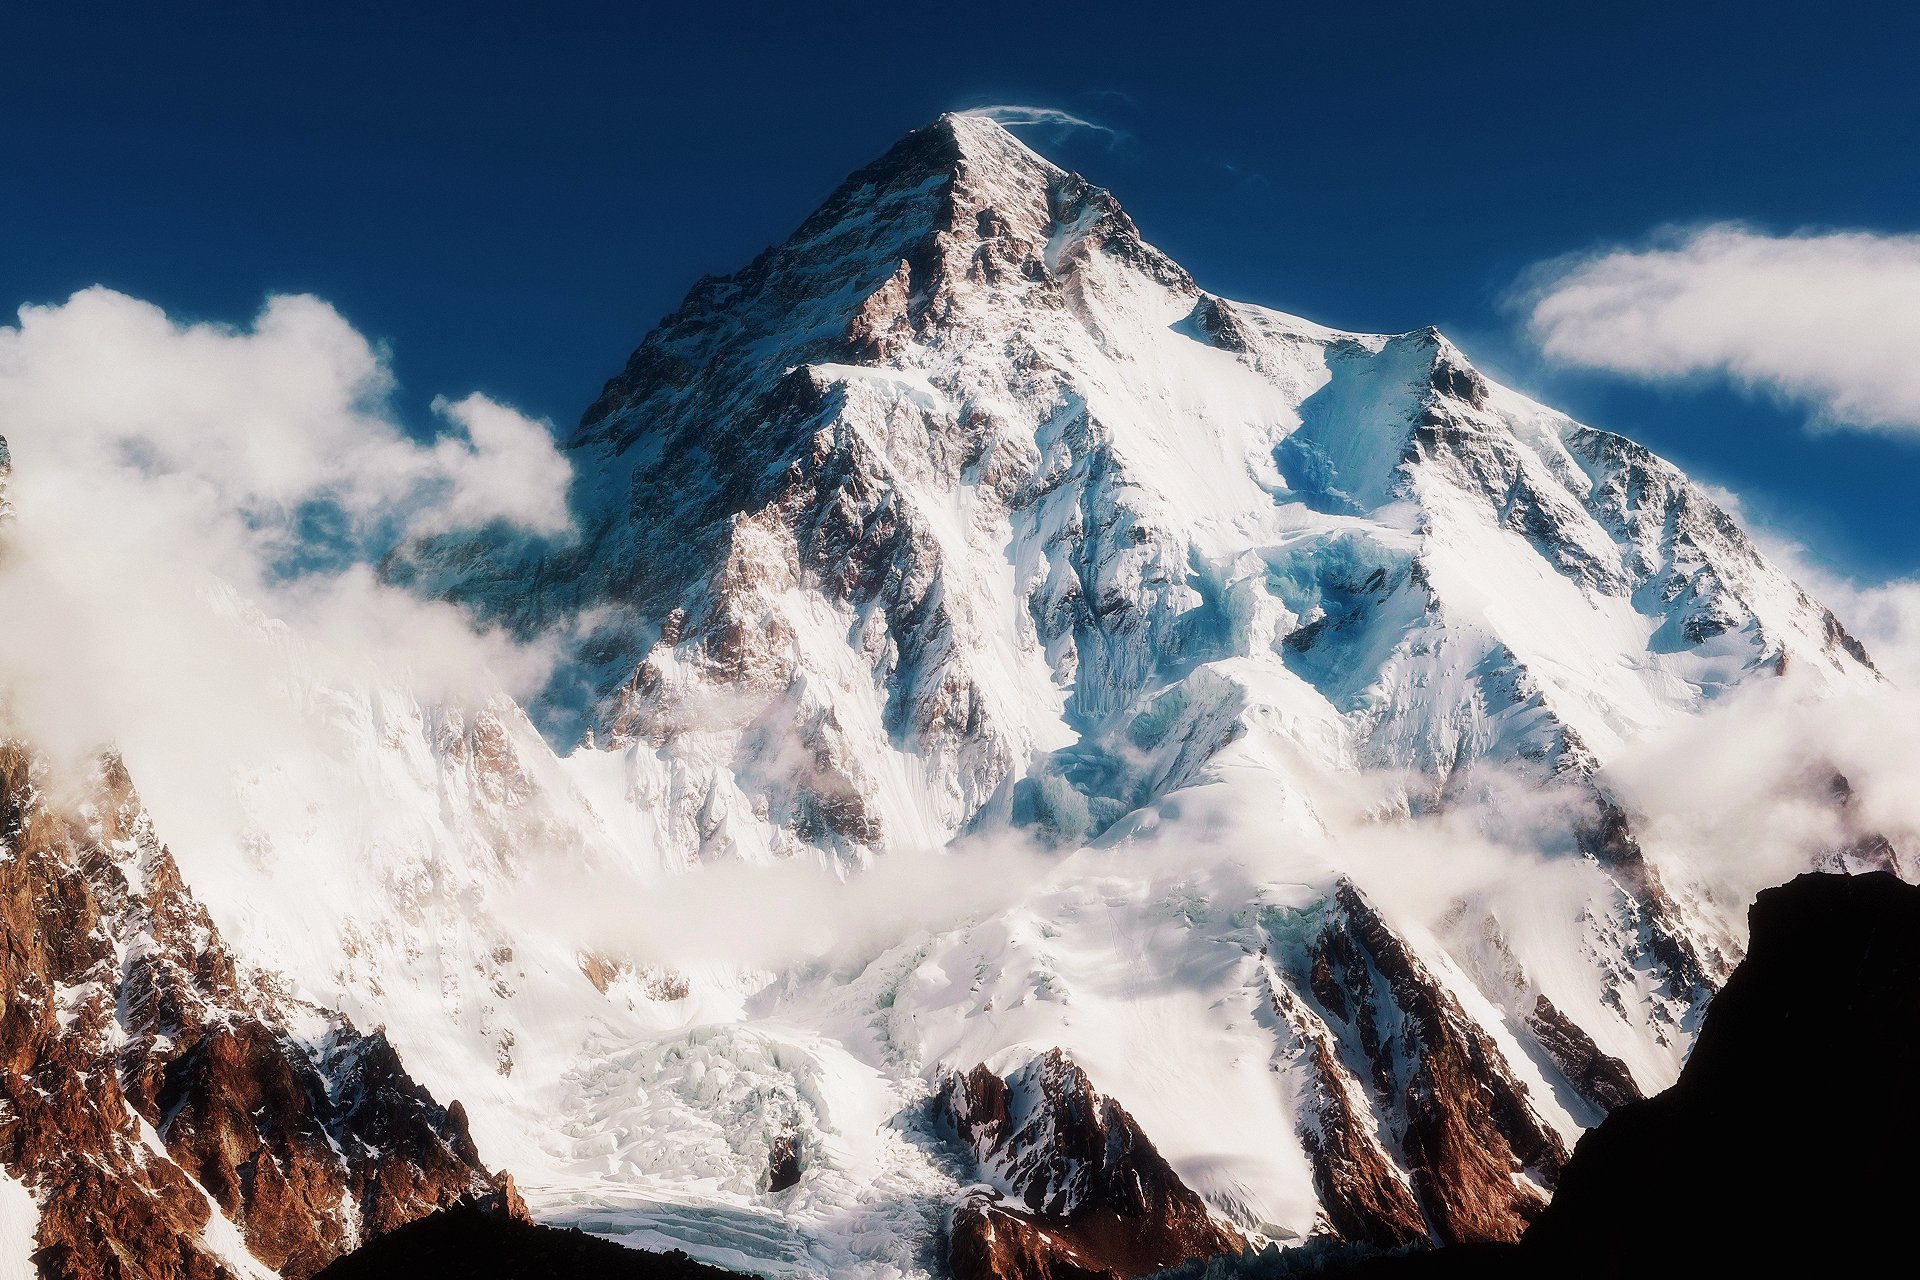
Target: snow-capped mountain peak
{"type": "Point", "coordinates": [957, 482]}
{"type": "Point", "coordinates": [966, 524]}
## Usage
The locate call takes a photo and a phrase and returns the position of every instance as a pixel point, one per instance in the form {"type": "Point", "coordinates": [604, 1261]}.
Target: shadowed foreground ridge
{"type": "Point", "coordinates": [1791, 1133]}
{"type": "Point", "coordinates": [1785, 1148]}
{"type": "Point", "coordinates": [472, 1243]}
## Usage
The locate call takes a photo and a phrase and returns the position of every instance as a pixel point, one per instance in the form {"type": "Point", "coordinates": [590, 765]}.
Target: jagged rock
{"type": "Point", "coordinates": [1479, 1157]}
{"type": "Point", "coordinates": [1078, 1191]}
{"type": "Point", "coordinates": [1363, 1192]}
{"type": "Point", "coordinates": [149, 1081]}
{"type": "Point", "coordinates": [1700, 1179]}
{"type": "Point", "coordinates": [1600, 1078]}
{"type": "Point", "coordinates": [786, 1160]}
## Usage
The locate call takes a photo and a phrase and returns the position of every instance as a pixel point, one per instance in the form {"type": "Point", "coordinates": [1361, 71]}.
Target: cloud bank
{"type": "Point", "coordinates": [193, 502]}
{"type": "Point", "coordinates": [1829, 321]}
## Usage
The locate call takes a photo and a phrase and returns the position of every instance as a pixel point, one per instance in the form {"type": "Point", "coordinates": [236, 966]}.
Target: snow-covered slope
{"type": "Point", "coordinates": [1146, 671]}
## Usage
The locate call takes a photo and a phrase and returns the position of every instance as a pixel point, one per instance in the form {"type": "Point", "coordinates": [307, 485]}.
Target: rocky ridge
{"type": "Point", "coordinates": [1071, 1186]}
{"type": "Point", "coordinates": [175, 1114]}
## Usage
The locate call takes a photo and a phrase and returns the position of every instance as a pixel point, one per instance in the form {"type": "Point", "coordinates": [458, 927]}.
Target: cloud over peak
{"type": "Point", "coordinates": [1826, 320]}
{"type": "Point", "coordinates": [1015, 115]}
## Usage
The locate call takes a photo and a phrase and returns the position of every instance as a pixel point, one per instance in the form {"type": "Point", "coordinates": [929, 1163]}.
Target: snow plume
{"type": "Point", "coordinates": [1013, 116]}
{"type": "Point", "coordinates": [1827, 320]}
{"type": "Point", "coordinates": [194, 501]}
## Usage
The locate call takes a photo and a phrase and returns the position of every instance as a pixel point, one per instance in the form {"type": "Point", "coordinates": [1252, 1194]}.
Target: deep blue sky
{"type": "Point", "coordinates": [511, 195]}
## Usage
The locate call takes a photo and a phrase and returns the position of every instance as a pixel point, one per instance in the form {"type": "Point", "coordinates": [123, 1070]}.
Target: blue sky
{"type": "Point", "coordinates": [509, 197]}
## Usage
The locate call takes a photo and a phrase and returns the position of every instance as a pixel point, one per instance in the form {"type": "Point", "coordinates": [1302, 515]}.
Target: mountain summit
{"type": "Point", "coordinates": [964, 482]}
{"type": "Point", "coordinates": [1082, 773]}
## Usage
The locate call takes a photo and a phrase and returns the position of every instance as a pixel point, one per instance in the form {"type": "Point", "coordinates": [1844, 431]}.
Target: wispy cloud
{"type": "Point", "coordinates": [1016, 115]}
{"type": "Point", "coordinates": [1244, 176]}
{"type": "Point", "coordinates": [1829, 321]}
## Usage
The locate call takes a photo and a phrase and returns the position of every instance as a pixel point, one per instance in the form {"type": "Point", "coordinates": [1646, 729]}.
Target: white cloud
{"type": "Point", "coordinates": [1014, 115]}
{"type": "Point", "coordinates": [505, 468]}
{"type": "Point", "coordinates": [261, 422]}
{"type": "Point", "coordinates": [1885, 617]}
{"type": "Point", "coordinates": [192, 502]}
{"type": "Point", "coordinates": [1829, 321]}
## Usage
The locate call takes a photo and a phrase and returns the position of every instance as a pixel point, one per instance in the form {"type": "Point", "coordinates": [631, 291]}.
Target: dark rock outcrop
{"type": "Point", "coordinates": [1480, 1158]}
{"type": "Point", "coordinates": [1599, 1077]}
{"type": "Point", "coordinates": [146, 1078]}
{"type": "Point", "coordinates": [470, 1242]}
{"type": "Point", "coordinates": [1072, 1189]}
{"type": "Point", "coordinates": [1789, 1140]}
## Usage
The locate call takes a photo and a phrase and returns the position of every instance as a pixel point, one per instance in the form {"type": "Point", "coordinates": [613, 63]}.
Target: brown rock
{"type": "Point", "coordinates": [1600, 1078]}
{"type": "Point", "coordinates": [1478, 1156]}
{"type": "Point", "coordinates": [137, 1059]}
{"type": "Point", "coordinates": [1092, 1196]}
{"type": "Point", "coordinates": [1363, 1193]}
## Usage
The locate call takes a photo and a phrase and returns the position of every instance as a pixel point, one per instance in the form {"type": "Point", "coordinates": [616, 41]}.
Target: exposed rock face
{"type": "Point", "coordinates": [1600, 1078]}
{"type": "Point", "coordinates": [1862, 847]}
{"type": "Point", "coordinates": [1075, 1188]}
{"type": "Point", "coordinates": [1364, 1194]}
{"type": "Point", "coordinates": [1692, 971]}
{"type": "Point", "coordinates": [151, 1084]}
{"type": "Point", "coordinates": [1703, 1178]}
{"type": "Point", "coordinates": [1479, 1158]}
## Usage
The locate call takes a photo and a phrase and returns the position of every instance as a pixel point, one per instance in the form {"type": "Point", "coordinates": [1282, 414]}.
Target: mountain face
{"type": "Point", "coordinates": [964, 541]}
{"type": "Point", "coordinates": [984, 505]}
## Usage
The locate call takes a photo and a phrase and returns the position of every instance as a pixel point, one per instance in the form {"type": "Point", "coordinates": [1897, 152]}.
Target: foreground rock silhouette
{"type": "Point", "coordinates": [474, 1241]}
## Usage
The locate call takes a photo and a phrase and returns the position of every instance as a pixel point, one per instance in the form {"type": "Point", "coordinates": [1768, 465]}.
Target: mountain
{"type": "Point", "coordinates": [1061, 772]}
{"type": "Point", "coordinates": [965, 511]}
{"type": "Point", "coordinates": [965, 473]}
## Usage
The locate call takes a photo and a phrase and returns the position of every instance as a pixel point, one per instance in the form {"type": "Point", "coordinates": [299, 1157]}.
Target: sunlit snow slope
{"type": "Point", "coordinates": [1146, 674]}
